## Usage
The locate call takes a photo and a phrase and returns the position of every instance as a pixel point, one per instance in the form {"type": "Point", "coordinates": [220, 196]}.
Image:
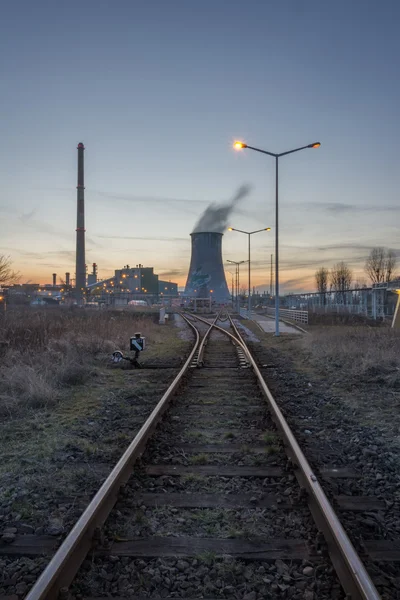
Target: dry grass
{"type": "Point", "coordinates": [357, 353]}
{"type": "Point", "coordinates": [43, 351]}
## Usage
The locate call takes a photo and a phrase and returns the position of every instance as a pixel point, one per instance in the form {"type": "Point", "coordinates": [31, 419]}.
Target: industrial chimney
{"type": "Point", "coordinates": [80, 231]}
{"type": "Point", "coordinates": [54, 279]}
{"type": "Point", "coordinates": [67, 275]}
{"type": "Point", "coordinates": [206, 276]}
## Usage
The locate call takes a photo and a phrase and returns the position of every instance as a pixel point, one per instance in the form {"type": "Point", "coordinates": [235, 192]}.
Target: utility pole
{"type": "Point", "coordinates": [270, 279]}
{"type": "Point", "coordinates": [237, 263]}
{"type": "Point", "coordinates": [232, 285]}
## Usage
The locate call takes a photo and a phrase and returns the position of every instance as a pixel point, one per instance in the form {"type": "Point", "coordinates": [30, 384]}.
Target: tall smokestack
{"type": "Point", "coordinates": [67, 278]}
{"type": "Point", "coordinates": [80, 231]}
{"type": "Point", "coordinates": [54, 279]}
{"type": "Point", "coordinates": [206, 276]}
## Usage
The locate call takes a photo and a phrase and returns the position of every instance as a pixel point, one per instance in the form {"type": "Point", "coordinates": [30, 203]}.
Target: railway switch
{"type": "Point", "coordinates": [137, 344]}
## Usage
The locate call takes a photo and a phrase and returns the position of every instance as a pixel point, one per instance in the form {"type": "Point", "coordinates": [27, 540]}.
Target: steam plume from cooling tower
{"type": "Point", "coordinates": [215, 217]}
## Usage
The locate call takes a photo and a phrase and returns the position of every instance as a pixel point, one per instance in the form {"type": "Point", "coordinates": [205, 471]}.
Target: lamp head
{"type": "Point", "coordinates": [239, 145]}
{"type": "Point", "coordinates": [314, 145]}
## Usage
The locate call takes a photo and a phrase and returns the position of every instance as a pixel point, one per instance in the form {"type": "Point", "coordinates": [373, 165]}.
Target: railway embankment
{"type": "Point", "coordinates": [339, 389]}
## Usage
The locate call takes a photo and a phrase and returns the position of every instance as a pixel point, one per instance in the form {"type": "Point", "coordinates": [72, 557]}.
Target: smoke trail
{"type": "Point", "coordinates": [215, 217]}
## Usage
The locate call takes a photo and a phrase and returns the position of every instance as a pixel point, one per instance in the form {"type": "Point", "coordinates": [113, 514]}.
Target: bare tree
{"type": "Point", "coordinates": [341, 277]}
{"type": "Point", "coordinates": [243, 291]}
{"type": "Point", "coordinates": [7, 275]}
{"type": "Point", "coordinates": [321, 279]}
{"type": "Point", "coordinates": [390, 264]}
{"type": "Point", "coordinates": [380, 264]}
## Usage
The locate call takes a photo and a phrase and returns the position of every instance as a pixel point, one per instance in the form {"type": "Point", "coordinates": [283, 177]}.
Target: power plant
{"type": "Point", "coordinates": [80, 283]}
{"type": "Point", "coordinates": [127, 283]}
{"type": "Point", "coordinates": [206, 277]}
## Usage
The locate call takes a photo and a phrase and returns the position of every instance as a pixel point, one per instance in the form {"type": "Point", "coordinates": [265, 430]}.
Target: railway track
{"type": "Point", "coordinates": [220, 502]}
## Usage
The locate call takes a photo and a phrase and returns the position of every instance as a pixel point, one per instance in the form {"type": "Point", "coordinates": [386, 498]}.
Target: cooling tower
{"type": "Point", "coordinates": [206, 276]}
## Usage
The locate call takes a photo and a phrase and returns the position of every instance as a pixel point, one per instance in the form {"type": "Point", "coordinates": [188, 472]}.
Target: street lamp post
{"type": "Point", "coordinates": [232, 288]}
{"type": "Point", "coordinates": [239, 146]}
{"type": "Point", "coordinates": [249, 234]}
{"type": "Point", "coordinates": [237, 263]}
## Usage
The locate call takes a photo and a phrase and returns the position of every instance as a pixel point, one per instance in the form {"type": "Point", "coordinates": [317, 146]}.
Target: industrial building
{"type": "Point", "coordinates": [131, 283]}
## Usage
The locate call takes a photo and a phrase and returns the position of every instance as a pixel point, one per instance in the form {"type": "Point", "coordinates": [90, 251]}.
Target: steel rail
{"type": "Point", "coordinates": [351, 571]}
{"type": "Point", "coordinates": [64, 565]}
{"type": "Point", "coordinates": [205, 340]}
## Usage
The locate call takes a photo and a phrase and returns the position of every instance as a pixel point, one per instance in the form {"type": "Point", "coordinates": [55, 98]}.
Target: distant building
{"type": "Point", "coordinates": [167, 288]}
{"type": "Point", "coordinates": [132, 283]}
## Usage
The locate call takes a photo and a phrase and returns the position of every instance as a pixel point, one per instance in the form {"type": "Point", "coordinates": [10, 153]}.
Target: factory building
{"type": "Point", "coordinates": [131, 283]}
{"type": "Point", "coordinates": [92, 277]}
{"type": "Point", "coordinates": [167, 289]}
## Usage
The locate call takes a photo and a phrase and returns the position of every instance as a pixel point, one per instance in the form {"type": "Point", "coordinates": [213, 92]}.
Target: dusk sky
{"type": "Point", "coordinates": [158, 91]}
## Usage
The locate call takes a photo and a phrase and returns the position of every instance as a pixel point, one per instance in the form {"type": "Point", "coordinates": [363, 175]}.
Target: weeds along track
{"type": "Point", "coordinates": [214, 508]}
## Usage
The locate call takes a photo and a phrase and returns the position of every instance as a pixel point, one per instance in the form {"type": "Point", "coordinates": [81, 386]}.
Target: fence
{"type": "Point", "coordinates": [376, 302]}
{"type": "Point", "coordinates": [301, 316]}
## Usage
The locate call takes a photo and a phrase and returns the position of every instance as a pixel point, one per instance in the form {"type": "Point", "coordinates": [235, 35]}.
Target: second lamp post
{"type": "Point", "coordinates": [249, 234]}
{"type": "Point", "coordinates": [239, 146]}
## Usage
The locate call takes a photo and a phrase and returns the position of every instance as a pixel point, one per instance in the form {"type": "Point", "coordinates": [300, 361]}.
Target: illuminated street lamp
{"type": "Point", "coordinates": [249, 234]}
{"type": "Point", "coordinates": [238, 145]}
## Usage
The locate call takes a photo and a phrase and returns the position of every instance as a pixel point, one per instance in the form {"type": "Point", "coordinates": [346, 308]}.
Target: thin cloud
{"type": "Point", "coordinates": [7, 209]}
{"type": "Point", "coordinates": [147, 199]}
{"type": "Point", "coordinates": [173, 273]}
{"type": "Point", "coordinates": [135, 237]}
{"type": "Point", "coordinates": [177, 204]}
{"type": "Point", "coordinates": [42, 227]}
{"type": "Point", "coordinates": [297, 281]}
{"type": "Point", "coordinates": [347, 247]}
{"type": "Point", "coordinates": [341, 207]}
{"type": "Point", "coordinates": [45, 254]}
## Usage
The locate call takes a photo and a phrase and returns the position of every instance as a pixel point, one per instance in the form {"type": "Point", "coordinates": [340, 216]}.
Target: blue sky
{"type": "Point", "coordinates": [158, 91]}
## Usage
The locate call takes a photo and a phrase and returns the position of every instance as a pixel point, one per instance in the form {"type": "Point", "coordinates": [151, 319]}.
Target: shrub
{"type": "Point", "coordinates": [44, 350]}
{"type": "Point", "coordinates": [357, 352]}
